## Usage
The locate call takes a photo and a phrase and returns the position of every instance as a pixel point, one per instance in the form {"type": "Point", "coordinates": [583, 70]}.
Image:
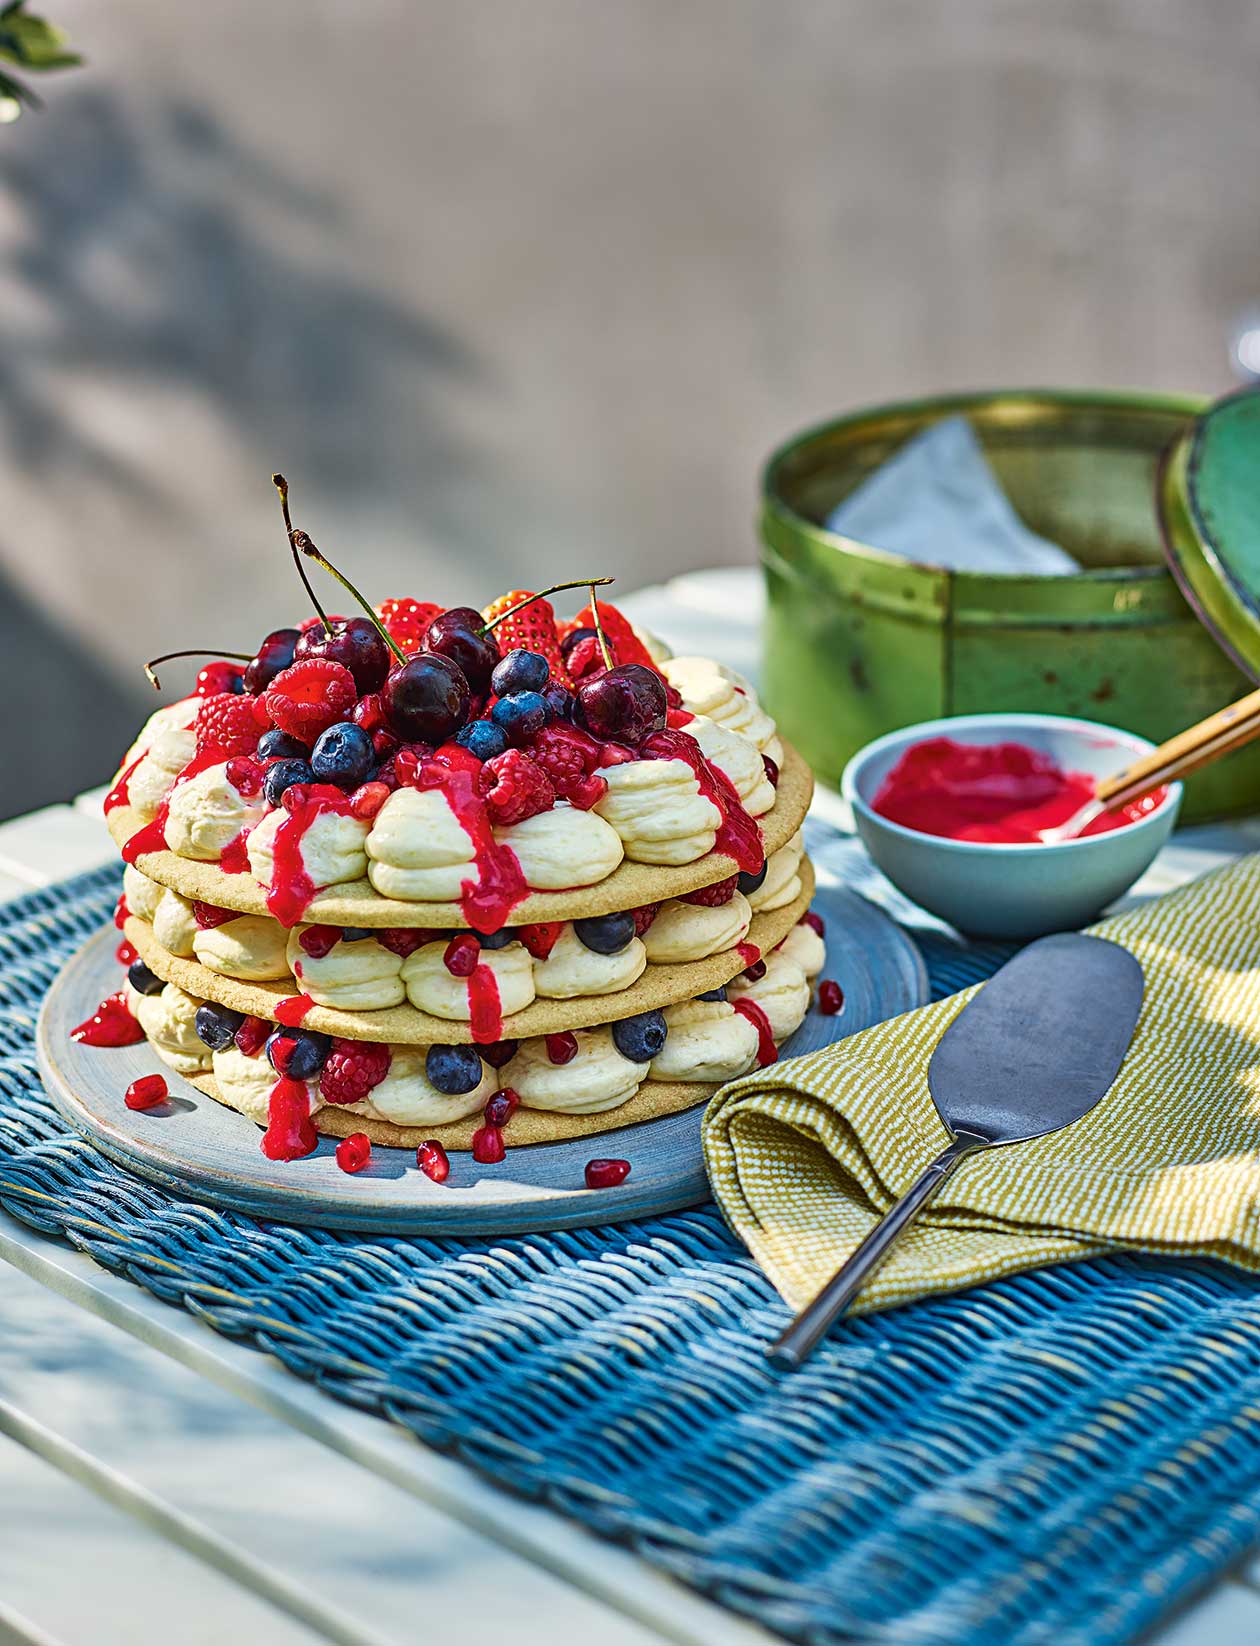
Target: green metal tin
{"type": "Point", "coordinates": [859, 643]}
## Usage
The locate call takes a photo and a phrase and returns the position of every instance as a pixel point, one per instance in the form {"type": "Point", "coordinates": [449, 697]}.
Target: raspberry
{"type": "Point", "coordinates": [569, 758]}
{"type": "Point", "coordinates": [353, 1068]}
{"type": "Point", "coordinates": [319, 941]}
{"type": "Point", "coordinates": [228, 723]}
{"type": "Point", "coordinates": [405, 940]}
{"type": "Point", "coordinates": [533, 630]}
{"type": "Point", "coordinates": [713, 897]}
{"type": "Point", "coordinates": [644, 916]}
{"type": "Point", "coordinates": [514, 788]}
{"type": "Point", "coordinates": [210, 915]}
{"type": "Point", "coordinates": [308, 697]}
{"type": "Point", "coordinates": [407, 621]}
{"type": "Point", "coordinates": [540, 938]}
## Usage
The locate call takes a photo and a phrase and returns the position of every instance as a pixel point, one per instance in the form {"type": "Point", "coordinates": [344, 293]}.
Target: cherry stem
{"type": "Point", "coordinates": [198, 651]}
{"type": "Point", "coordinates": [302, 541]}
{"type": "Point", "coordinates": [556, 588]}
{"type": "Point", "coordinates": [599, 628]}
{"type": "Point", "coordinates": [282, 486]}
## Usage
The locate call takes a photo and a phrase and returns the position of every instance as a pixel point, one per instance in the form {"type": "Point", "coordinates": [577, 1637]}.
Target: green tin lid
{"type": "Point", "coordinates": [1209, 508]}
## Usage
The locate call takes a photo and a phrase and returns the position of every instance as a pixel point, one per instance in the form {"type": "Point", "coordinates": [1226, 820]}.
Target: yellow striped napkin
{"type": "Point", "coordinates": [804, 1156]}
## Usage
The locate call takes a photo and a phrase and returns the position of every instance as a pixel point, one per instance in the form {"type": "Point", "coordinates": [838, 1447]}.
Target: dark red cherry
{"type": "Point", "coordinates": [275, 654]}
{"type": "Point", "coordinates": [457, 634]}
{"type": "Point", "coordinates": [624, 703]}
{"type": "Point", "coordinates": [425, 699]}
{"type": "Point", "coordinates": [355, 643]}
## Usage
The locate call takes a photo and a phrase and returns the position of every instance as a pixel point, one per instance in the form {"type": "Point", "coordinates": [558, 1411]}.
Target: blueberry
{"type": "Point", "coordinates": [278, 745]}
{"type": "Point", "coordinates": [560, 703]}
{"type": "Point", "coordinates": [520, 715]}
{"type": "Point", "coordinates": [343, 755]}
{"type": "Point", "coordinates": [483, 738]}
{"type": "Point", "coordinates": [142, 980]}
{"type": "Point", "coordinates": [216, 1026]}
{"type": "Point", "coordinates": [281, 775]}
{"type": "Point", "coordinates": [520, 671]}
{"type": "Point", "coordinates": [497, 940]}
{"type": "Point", "coordinates": [714, 994]}
{"type": "Point", "coordinates": [749, 882]}
{"type": "Point", "coordinates": [356, 934]}
{"type": "Point", "coordinates": [640, 1038]}
{"type": "Point", "coordinates": [605, 933]}
{"type": "Point", "coordinates": [453, 1070]}
{"type": "Point", "coordinates": [304, 1056]}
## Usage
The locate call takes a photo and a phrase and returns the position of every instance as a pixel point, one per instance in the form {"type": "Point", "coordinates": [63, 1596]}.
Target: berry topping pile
{"type": "Point", "coordinates": [308, 697]}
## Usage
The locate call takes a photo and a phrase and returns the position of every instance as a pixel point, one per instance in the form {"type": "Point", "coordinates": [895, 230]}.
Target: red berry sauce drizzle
{"type": "Point", "coordinates": [234, 858]}
{"type": "Point", "coordinates": [738, 837]}
{"type": "Point", "coordinates": [488, 900]}
{"type": "Point", "coordinates": [484, 1006]}
{"type": "Point", "coordinates": [291, 886]}
{"type": "Point", "coordinates": [120, 794]}
{"type": "Point", "coordinates": [767, 1051]}
{"type": "Point", "coordinates": [292, 1010]}
{"type": "Point", "coordinates": [749, 953]}
{"type": "Point", "coordinates": [289, 1134]}
{"type": "Point", "coordinates": [111, 1024]}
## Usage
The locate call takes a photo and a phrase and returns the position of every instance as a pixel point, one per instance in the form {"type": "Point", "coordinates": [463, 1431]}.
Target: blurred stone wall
{"type": "Point", "coordinates": [513, 291]}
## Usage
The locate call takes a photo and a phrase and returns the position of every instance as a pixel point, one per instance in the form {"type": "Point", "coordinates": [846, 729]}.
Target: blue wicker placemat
{"type": "Point", "coordinates": [1054, 1460]}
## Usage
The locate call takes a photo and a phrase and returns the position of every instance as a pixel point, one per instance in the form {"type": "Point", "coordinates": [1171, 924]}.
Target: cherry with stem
{"type": "Point", "coordinates": [282, 486]}
{"type": "Point", "coordinates": [197, 651]}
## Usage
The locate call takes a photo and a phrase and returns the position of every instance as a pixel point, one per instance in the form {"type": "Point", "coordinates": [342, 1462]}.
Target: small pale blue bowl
{"type": "Point", "coordinates": [1016, 891]}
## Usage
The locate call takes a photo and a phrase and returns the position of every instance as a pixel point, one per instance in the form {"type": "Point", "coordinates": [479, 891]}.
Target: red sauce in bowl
{"type": "Point", "coordinates": [1003, 793]}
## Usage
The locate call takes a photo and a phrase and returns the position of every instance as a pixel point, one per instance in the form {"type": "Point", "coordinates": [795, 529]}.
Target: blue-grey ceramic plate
{"type": "Point", "coordinates": [197, 1147]}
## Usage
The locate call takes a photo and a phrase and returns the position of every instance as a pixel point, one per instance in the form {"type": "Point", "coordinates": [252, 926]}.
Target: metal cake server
{"type": "Point", "coordinates": [1031, 1053]}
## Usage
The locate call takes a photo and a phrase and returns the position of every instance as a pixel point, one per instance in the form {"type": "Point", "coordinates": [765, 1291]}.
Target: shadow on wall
{"type": "Point", "coordinates": [171, 260]}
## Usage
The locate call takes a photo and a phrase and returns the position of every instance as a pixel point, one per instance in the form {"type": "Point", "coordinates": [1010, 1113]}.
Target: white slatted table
{"type": "Point", "coordinates": [160, 1483]}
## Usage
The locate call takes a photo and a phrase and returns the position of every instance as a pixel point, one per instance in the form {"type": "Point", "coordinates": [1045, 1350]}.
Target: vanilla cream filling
{"type": "Point", "coordinates": [431, 988]}
{"type": "Point", "coordinates": [690, 931]}
{"type": "Point", "coordinates": [782, 884]}
{"type": "Point", "coordinates": [710, 688]}
{"type": "Point", "coordinates": [572, 970]}
{"type": "Point", "coordinates": [140, 894]}
{"type": "Point", "coordinates": [708, 1040]}
{"type": "Point", "coordinates": [247, 1082]}
{"type": "Point", "coordinates": [357, 977]}
{"type": "Point", "coordinates": [738, 758]}
{"type": "Point", "coordinates": [405, 1097]}
{"type": "Point", "coordinates": [563, 847]}
{"type": "Point", "coordinates": [782, 992]}
{"type": "Point", "coordinates": [418, 849]}
{"type": "Point", "coordinates": [803, 946]}
{"type": "Point", "coordinates": [168, 743]}
{"type": "Point", "coordinates": [174, 924]}
{"type": "Point", "coordinates": [251, 948]}
{"type": "Point", "coordinates": [331, 848]}
{"type": "Point", "coordinates": [658, 810]}
{"type": "Point", "coordinates": [595, 1079]}
{"type": "Point", "coordinates": [169, 1022]}
{"type": "Point", "coordinates": [206, 812]}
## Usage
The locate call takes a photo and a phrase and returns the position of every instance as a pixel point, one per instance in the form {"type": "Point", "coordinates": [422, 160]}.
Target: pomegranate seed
{"type": "Point", "coordinates": [498, 1052]}
{"type": "Point", "coordinates": [830, 997]}
{"type": "Point", "coordinates": [562, 1048]}
{"type": "Point", "coordinates": [756, 971]}
{"type": "Point", "coordinates": [354, 1152]}
{"type": "Point", "coordinates": [501, 1107]}
{"type": "Point", "coordinates": [615, 754]}
{"type": "Point", "coordinates": [462, 955]}
{"type": "Point", "coordinates": [367, 801]}
{"type": "Point", "coordinates": [251, 1037]}
{"type": "Point", "coordinates": [809, 918]}
{"type": "Point", "coordinates": [772, 770]}
{"type": "Point", "coordinates": [146, 1093]}
{"type": "Point", "coordinates": [407, 767]}
{"type": "Point", "coordinates": [295, 796]}
{"type": "Point", "coordinates": [432, 1160]}
{"type": "Point", "coordinates": [125, 953]}
{"type": "Point", "coordinates": [487, 1146]}
{"type": "Point", "coordinates": [318, 941]}
{"type": "Point", "coordinates": [606, 1174]}
{"type": "Point", "coordinates": [368, 713]}
{"type": "Point", "coordinates": [245, 776]}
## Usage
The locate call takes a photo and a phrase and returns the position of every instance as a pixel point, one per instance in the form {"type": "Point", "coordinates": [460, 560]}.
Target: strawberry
{"type": "Point", "coordinates": [407, 621]}
{"type": "Point", "coordinates": [533, 629]}
{"type": "Point", "coordinates": [623, 642]}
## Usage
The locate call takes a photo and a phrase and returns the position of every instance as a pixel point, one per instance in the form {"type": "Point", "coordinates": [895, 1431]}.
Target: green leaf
{"type": "Point", "coordinates": [32, 41]}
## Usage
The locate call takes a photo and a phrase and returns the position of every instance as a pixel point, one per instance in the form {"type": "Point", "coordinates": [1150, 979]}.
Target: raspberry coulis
{"type": "Point", "coordinates": [485, 1009]}
{"type": "Point", "coordinates": [120, 794]}
{"type": "Point", "coordinates": [111, 1024]}
{"type": "Point", "coordinates": [500, 885]}
{"type": "Point", "coordinates": [749, 953]}
{"type": "Point", "coordinates": [289, 1134]}
{"type": "Point", "coordinates": [1001, 793]}
{"type": "Point", "coordinates": [292, 1010]}
{"type": "Point", "coordinates": [767, 1051]}
{"type": "Point", "coordinates": [291, 886]}
{"type": "Point", "coordinates": [738, 837]}
{"type": "Point", "coordinates": [234, 858]}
